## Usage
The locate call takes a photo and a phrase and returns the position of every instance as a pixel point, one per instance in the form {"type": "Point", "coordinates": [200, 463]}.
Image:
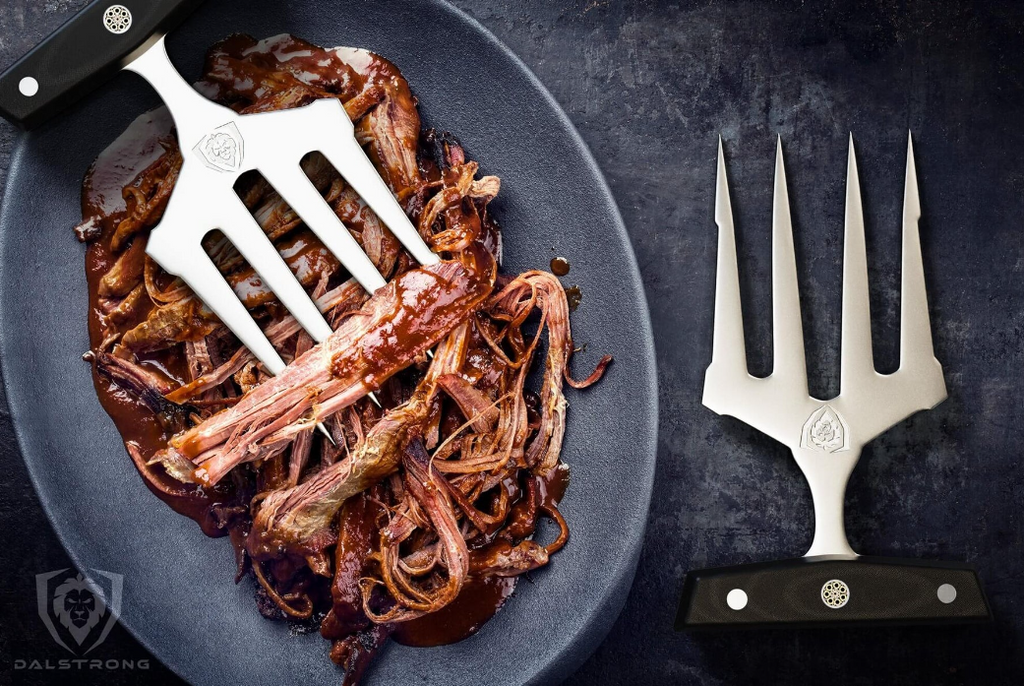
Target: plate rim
{"type": "Point", "coordinates": [598, 623]}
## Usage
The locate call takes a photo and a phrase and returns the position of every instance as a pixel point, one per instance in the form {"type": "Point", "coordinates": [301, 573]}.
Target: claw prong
{"type": "Point", "coordinates": [856, 358]}
{"type": "Point", "coordinates": [787, 324]}
{"type": "Point", "coordinates": [917, 355]}
{"type": "Point", "coordinates": [729, 348]}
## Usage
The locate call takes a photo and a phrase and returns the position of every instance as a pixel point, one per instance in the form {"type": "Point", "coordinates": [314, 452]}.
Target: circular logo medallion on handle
{"type": "Point", "coordinates": [117, 19]}
{"type": "Point", "coordinates": [835, 593]}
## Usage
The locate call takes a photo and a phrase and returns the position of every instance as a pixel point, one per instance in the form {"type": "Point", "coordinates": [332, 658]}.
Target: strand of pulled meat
{"type": "Point", "coordinates": [430, 490]}
{"type": "Point", "coordinates": [365, 350]}
{"type": "Point", "coordinates": [459, 184]}
{"type": "Point", "coordinates": [288, 518]}
{"type": "Point", "coordinates": [342, 297]}
{"type": "Point", "coordinates": [542, 454]}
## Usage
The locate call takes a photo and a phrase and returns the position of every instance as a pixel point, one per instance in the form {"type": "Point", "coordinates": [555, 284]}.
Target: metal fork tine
{"type": "Point", "coordinates": [856, 357]}
{"type": "Point", "coordinates": [242, 230]}
{"type": "Point", "coordinates": [248, 238]}
{"type": "Point", "coordinates": [299, 192]}
{"type": "Point", "coordinates": [729, 353]}
{"type": "Point", "coordinates": [348, 158]}
{"type": "Point", "coordinates": [915, 327]}
{"type": "Point", "coordinates": [206, 281]}
{"type": "Point", "coordinates": [788, 332]}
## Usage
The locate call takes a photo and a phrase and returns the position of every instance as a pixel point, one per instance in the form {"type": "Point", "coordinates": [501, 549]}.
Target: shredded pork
{"type": "Point", "coordinates": [406, 505]}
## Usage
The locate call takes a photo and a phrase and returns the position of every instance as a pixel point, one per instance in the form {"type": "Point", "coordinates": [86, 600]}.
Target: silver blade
{"type": "Point", "coordinates": [856, 359]}
{"type": "Point", "coordinates": [826, 436]}
{"type": "Point", "coordinates": [345, 154]}
{"type": "Point", "coordinates": [915, 326]}
{"type": "Point", "coordinates": [729, 350]}
{"type": "Point", "coordinates": [788, 332]}
{"type": "Point", "coordinates": [303, 197]}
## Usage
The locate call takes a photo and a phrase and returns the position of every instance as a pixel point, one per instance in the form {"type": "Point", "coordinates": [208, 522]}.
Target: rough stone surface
{"type": "Point", "coordinates": [650, 85]}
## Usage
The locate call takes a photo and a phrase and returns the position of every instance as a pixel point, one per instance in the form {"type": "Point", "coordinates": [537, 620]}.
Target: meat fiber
{"type": "Point", "coordinates": [399, 323]}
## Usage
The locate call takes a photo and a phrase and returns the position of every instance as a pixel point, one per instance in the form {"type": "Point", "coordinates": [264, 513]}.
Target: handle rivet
{"type": "Point", "coordinates": [737, 599]}
{"type": "Point", "coordinates": [835, 593]}
{"type": "Point", "coordinates": [117, 19]}
{"type": "Point", "coordinates": [28, 86]}
{"type": "Point", "coordinates": [946, 593]}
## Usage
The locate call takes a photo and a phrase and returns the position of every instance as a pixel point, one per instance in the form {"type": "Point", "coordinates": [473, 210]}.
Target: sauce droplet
{"type": "Point", "coordinates": [574, 295]}
{"type": "Point", "coordinates": [559, 266]}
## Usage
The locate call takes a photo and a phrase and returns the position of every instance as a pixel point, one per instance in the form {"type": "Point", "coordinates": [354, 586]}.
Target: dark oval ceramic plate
{"type": "Point", "coordinates": [178, 596]}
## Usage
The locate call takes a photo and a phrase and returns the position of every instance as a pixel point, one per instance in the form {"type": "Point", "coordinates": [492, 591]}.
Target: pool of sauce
{"type": "Point", "coordinates": [478, 601]}
{"type": "Point", "coordinates": [135, 150]}
{"type": "Point", "coordinates": [574, 295]}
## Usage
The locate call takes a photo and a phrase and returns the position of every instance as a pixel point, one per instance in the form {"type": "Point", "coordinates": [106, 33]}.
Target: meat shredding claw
{"type": "Point", "coordinates": [217, 146]}
{"type": "Point", "coordinates": [831, 583]}
{"type": "Point", "coordinates": [868, 402]}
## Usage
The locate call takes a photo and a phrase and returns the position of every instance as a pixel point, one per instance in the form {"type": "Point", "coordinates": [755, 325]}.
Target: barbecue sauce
{"type": "Point", "coordinates": [476, 603]}
{"type": "Point", "coordinates": [575, 296]}
{"type": "Point", "coordinates": [559, 266]}
{"type": "Point", "coordinates": [137, 148]}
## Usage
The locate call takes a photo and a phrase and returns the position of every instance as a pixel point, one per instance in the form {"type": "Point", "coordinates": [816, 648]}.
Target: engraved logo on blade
{"type": "Point", "coordinates": [825, 431]}
{"type": "Point", "coordinates": [221, 149]}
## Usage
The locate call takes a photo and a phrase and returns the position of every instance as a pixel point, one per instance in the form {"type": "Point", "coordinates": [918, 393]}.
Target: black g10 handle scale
{"type": "Point", "coordinates": [832, 591]}
{"type": "Point", "coordinates": [82, 54]}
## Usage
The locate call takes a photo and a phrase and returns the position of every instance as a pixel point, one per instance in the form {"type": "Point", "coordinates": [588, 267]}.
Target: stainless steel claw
{"type": "Point", "coordinates": [218, 145]}
{"type": "Point", "coordinates": [825, 436]}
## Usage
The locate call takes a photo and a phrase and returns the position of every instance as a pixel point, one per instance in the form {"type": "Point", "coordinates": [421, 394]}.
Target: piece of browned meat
{"type": "Point", "coordinates": [399, 323]}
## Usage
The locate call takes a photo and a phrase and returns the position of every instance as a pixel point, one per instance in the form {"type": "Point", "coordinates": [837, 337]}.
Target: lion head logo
{"type": "Point", "coordinates": [221, 149]}
{"type": "Point", "coordinates": [86, 606]}
{"type": "Point", "coordinates": [79, 604]}
{"type": "Point", "coordinates": [825, 431]}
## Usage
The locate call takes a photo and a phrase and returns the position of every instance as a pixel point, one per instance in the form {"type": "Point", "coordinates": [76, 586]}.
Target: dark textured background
{"type": "Point", "coordinates": [649, 85]}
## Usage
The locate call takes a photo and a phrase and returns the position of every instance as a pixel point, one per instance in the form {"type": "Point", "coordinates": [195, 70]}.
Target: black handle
{"type": "Point", "coordinates": [83, 53]}
{"type": "Point", "coordinates": [828, 592]}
